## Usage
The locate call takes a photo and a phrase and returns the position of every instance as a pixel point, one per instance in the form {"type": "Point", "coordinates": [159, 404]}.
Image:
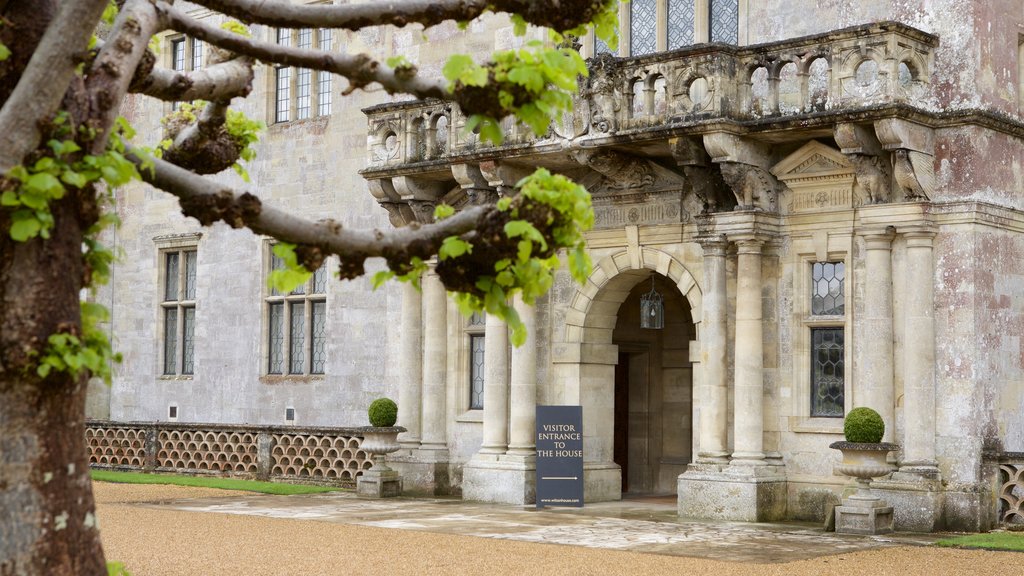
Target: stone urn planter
{"type": "Point", "coordinates": [379, 440]}
{"type": "Point", "coordinates": [380, 481]}
{"type": "Point", "coordinates": [864, 458]}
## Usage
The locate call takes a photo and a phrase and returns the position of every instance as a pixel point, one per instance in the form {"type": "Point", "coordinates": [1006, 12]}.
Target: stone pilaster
{"type": "Point", "coordinates": [748, 419]}
{"type": "Point", "coordinates": [495, 437]}
{"type": "Point", "coordinates": [523, 413]}
{"type": "Point", "coordinates": [435, 350]}
{"type": "Point", "coordinates": [874, 384]}
{"type": "Point", "coordinates": [410, 394]}
{"type": "Point", "coordinates": [919, 354]}
{"type": "Point", "coordinates": [714, 394]}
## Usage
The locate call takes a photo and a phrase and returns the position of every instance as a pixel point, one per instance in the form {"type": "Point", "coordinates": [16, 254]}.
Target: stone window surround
{"type": "Point", "coordinates": [314, 86]}
{"type": "Point", "coordinates": [702, 27]}
{"type": "Point", "coordinates": [464, 359]}
{"type": "Point", "coordinates": [188, 65]}
{"type": "Point", "coordinates": [265, 375]}
{"type": "Point", "coordinates": [823, 247]}
{"type": "Point", "coordinates": [164, 245]}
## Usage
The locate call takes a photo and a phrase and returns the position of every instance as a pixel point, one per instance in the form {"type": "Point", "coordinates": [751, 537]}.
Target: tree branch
{"type": "Point", "coordinates": [46, 78]}
{"type": "Point", "coordinates": [209, 201]}
{"type": "Point", "coordinates": [114, 67]}
{"type": "Point", "coordinates": [217, 82]}
{"type": "Point", "coordinates": [360, 69]}
{"type": "Point", "coordinates": [558, 14]}
{"type": "Point", "coordinates": [348, 16]}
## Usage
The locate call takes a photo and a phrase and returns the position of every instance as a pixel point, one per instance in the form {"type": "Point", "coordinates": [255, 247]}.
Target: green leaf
{"type": "Point", "coordinates": [74, 179]}
{"type": "Point", "coordinates": [456, 66]}
{"type": "Point", "coordinates": [381, 277]}
{"type": "Point", "coordinates": [453, 247]}
{"type": "Point", "coordinates": [9, 198]}
{"type": "Point", "coordinates": [45, 183]}
{"type": "Point", "coordinates": [442, 211]}
{"type": "Point", "coordinates": [5, 52]}
{"type": "Point", "coordinates": [24, 225]}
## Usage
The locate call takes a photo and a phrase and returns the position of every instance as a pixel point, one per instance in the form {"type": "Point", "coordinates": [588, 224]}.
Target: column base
{"type": "Point", "coordinates": [379, 484]}
{"type": "Point", "coordinates": [864, 514]}
{"type": "Point", "coordinates": [424, 472]}
{"type": "Point", "coordinates": [500, 481]}
{"type": "Point", "coordinates": [916, 498]}
{"type": "Point", "coordinates": [737, 493]}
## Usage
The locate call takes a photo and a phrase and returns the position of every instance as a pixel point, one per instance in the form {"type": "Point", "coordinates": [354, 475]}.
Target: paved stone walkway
{"type": "Point", "coordinates": [640, 525]}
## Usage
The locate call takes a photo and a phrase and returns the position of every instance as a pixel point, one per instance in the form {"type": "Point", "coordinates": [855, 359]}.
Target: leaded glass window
{"type": "Point", "coordinates": [475, 329]}
{"type": "Point", "coordinates": [297, 326]}
{"type": "Point", "coordinates": [298, 92]}
{"type": "Point", "coordinates": [643, 27]}
{"type": "Point", "coordinates": [179, 311]}
{"type": "Point", "coordinates": [827, 289]}
{"type": "Point", "coordinates": [323, 79]}
{"type": "Point", "coordinates": [827, 372]}
{"type": "Point", "coordinates": [681, 16]}
{"type": "Point", "coordinates": [197, 54]}
{"type": "Point", "coordinates": [725, 21]}
{"type": "Point", "coordinates": [178, 55]}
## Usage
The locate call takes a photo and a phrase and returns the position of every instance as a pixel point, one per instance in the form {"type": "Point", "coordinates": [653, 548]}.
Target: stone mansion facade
{"type": "Point", "coordinates": [828, 197]}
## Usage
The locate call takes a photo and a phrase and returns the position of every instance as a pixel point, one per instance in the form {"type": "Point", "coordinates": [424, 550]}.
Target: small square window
{"type": "Point", "coordinates": [289, 414]}
{"type": "Point", "coordinates": [172, 412]}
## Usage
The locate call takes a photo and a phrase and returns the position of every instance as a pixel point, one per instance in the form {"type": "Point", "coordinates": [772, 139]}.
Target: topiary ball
{"type": "Point", "coordinates": [863, 425]}
{"type": "Point", "coordinates": [383, 412]}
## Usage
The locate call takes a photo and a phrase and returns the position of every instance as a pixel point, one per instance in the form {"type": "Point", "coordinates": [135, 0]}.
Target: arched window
{"type": "Point", "coordinates": [654, 25]}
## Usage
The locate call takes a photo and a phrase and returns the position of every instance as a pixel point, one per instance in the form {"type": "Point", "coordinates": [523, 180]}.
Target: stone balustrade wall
{"type": "Point", "coordinates": [1011, 488]}
{"type": "Point", "coordinates": [865, 66]}
{"type": "Point", "coordinates": [313, 455]}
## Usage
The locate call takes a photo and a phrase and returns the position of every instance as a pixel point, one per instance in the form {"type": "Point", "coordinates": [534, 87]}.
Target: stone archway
{"type": "Point", "coordinates": [584, 363]}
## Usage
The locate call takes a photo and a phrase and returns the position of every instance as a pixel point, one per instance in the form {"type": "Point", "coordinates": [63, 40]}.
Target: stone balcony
{"type": "Point", "coordinates": [657, 110]}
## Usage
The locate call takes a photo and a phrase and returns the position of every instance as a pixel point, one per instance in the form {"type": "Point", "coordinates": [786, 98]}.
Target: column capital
{"type": "Point", "coordinates": [749, 244]}
{"type": "Point", "coordinates": [879, 238]}
{"type": "Point", "coordinates": [713, 244]}
{"type": "Point", "coordinates": [919, 237]}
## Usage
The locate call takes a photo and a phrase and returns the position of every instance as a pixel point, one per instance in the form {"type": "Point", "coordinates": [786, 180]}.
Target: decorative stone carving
{"type": "Point", "coordinates": [754, 187]}
{"type": "Point", "coordinates": [604, 94]}
{"type": "Point", "coordinates": [623, 172]}
{"type": "Point", "coordinates": [914, 174]}
{"type": "Point", "coordinates": [873, 184]}
{"type": "Point", "coordinates": [475, 184]}
{"type": "Point", "coordinates": [399, 213]}
{"type": "Point", "coordinates": [819, 176]}
{"type": "Point", "coordinates": [1011, 492]}
{"type": "Point", "coordinates": [423, 210]}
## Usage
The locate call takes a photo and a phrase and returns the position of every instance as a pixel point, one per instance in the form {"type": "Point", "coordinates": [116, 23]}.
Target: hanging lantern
{"type": "Point", "coordinates": [652, 309]}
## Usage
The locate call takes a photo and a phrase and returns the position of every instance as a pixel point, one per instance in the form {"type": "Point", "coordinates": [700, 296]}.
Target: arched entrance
{"type": "Point", "coordinates": [585, 365]}
{"type": "Point", "coordinates": [653, 431]}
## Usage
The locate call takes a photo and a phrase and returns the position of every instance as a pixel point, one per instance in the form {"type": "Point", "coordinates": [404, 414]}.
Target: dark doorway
{"type": "Point", "coordinates": [621, 449]}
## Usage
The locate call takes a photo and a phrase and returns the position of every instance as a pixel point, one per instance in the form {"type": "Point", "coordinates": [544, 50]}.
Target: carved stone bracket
{"type": "Point", "coordinates": [503, 177]}
{"type": "Point", "coordinates": [913, 147]}
{"type": "Point", "coordinates": [873, 184]}
{"type": "Point", "coordinates": [754, 187]}
{"type": "Point", "coordinates": [475, 185]}
{"type": "Point", "coordinates": [621, 171]}
{"type": "Point", "coordinates": [705, 180]}
{"type": "Point", "coordinates": [421, 195]}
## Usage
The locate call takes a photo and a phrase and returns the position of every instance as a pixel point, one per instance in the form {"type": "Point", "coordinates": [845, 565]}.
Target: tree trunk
{"type": "Point", "coordinates": [49, 525]}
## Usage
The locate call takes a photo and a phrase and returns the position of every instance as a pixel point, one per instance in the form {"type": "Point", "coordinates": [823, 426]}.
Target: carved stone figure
{"type": "Point", "coordinates": [753, 187]}
{"type": "Point", "coordinates": [873, 183]}
{"type": "Point", "coordinates": [603, 93]}
{"type": "Point", "coordinates": [709, 188]}
{"type": "Point", "coordinates": [913, 174]}
{"type": "Point", "coordinates": [623, 172]}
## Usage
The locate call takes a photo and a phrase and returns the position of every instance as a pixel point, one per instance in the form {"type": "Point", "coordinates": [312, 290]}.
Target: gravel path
{"type": "Point", "coordinates": [155, 542]}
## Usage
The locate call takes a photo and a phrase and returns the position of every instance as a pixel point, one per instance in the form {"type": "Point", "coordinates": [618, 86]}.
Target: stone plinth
{"type": "Point", "coordinates": [747, 494]}
{"type": "Point", "coordinates": [379, 484]}
{"type": "Point", "coordinates": [864, 515]}
{"type": "Point", "coordinates": [500, 481]}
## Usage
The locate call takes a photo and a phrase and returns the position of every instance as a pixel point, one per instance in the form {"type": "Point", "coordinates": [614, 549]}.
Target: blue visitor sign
{"type": "Point", "coordinates": [559, 456]}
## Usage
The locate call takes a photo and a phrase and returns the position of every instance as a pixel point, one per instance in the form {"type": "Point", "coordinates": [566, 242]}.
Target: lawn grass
{"type": "Point", "coordinates": [1013, 541]}
{"type": "Point", "coordinates": [208, 482]}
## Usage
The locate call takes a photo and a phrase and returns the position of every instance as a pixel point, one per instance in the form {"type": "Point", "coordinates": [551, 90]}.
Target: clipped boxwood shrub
{"type": "Point", "coordinates": [863, 425]}
{"type": "Point", "coordinates": [383, 412]}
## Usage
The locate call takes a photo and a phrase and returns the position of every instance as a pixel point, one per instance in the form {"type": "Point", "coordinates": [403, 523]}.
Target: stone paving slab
{"type": "Point", "coordinates": [649, 526]}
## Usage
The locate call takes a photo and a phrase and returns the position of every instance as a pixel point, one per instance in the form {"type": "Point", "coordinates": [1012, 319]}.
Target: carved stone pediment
{"type": "Point", "coordinates": [819, 177]}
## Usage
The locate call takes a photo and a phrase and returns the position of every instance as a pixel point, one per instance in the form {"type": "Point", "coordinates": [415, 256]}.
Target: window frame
{"type": "Point", "coordinates": [821, 247]}
{"type": "Point", "coordinates": [189, 58]}
{"type": "Point", "coordinates": [290, 98]}
{"type": "Point", "coordinates": [701, 27]}
{"type": "Point", "coordinates": [180, 245]}
{"type": "Point", "coordinates": [308, 299]}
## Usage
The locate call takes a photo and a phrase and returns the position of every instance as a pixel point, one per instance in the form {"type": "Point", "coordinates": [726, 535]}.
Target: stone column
{"type": "Point", "coordinates": [410, 395]}
{"type": "Point", "coordinates": [874, 384]}
{"type": "Point", "coordinates": [714, 427]}
{"type": "Point", "coordinates": [919, 356]}
{"type": "Point", "coordinates": [749, 361]}
{"type": "Point", "coordinates": [495, 438]}
{"type": "Point", "coordinates": [435, 350]}
{"type": "Point", "coordinates": [523, 414]}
